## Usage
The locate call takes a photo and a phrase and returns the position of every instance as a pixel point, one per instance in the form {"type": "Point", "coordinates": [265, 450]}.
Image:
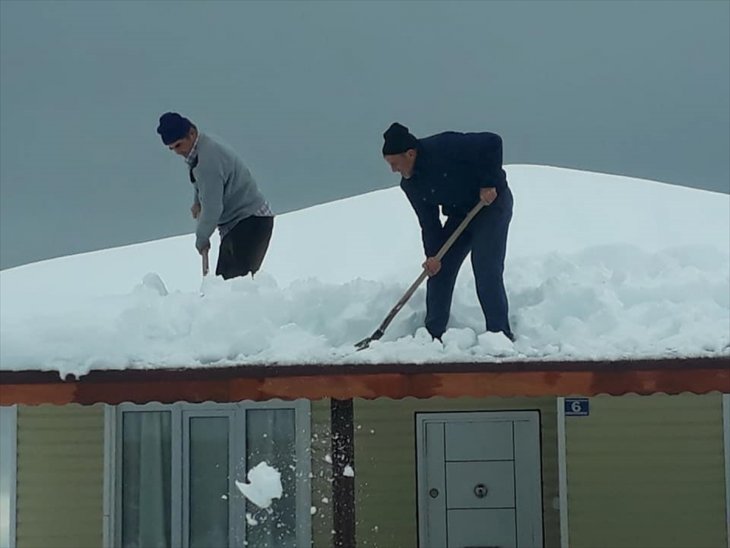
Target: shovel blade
{"type": "Point", "coordinates": [365, 343]}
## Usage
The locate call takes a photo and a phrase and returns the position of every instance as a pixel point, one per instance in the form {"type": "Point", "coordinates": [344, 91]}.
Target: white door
{"type": "Point", "coordinates": [479, 480]}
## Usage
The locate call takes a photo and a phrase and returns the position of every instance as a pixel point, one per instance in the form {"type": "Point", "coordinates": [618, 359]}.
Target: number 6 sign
{"type": "Point", "coordinates": [577, 407]}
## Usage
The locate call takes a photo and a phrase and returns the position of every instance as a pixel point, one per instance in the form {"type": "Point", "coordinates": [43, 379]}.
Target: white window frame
{"type": "Point", "coordinates": [8, 474]}
{"type": "Point", "coordinates": [237, 439]}
{"type": "Point", "coordinates": [563, 474]}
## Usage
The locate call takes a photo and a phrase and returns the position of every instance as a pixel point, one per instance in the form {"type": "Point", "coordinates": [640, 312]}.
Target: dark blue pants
{"type": "Point", "coordinates": [486, 239]}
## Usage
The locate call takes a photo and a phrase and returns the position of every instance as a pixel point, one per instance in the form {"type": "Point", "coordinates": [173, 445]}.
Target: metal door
{"type": "Point", "coordinates": [479, 480]}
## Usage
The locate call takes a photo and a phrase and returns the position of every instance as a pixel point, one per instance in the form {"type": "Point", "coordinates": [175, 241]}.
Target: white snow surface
{"type": "Point", "coordinates": [264, 485]}
{"type": "Point", "coordinates": [598, 267]}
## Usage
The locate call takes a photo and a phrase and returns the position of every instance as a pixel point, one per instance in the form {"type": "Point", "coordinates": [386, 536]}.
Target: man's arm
{"type": "Point", "coordinates": [490, 162]}
{"type": "Point", "coordinates": [195, 208]}
{"type": "Point", "coordinates": [483, 151]}
{"type": "Point", "coordinates": [210, 194]}
{"type": "Point", "coordinates": [428, 219]}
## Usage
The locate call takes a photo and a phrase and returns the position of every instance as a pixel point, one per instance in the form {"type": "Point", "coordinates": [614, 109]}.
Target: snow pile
{"type": "Point", "coordinates": [599, 267]}
{"type": "Point", "coordinates": [264, 485]}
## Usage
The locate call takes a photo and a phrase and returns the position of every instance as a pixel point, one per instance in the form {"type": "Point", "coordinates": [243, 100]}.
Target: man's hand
{"type": "Point", "coordinates": [432, 266]}
{"type": "Point", "coordinates": [488, 195]}
{"type": "Point", "coordinates": [195, 210]}
{"type": "Point", "coordinates": [204, 248]}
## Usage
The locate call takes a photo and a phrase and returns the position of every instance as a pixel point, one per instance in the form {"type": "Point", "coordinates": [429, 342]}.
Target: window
{"type": "Point", "coordinates": [175, 467]}
{"type": "Point", "coordinates": [8, 451]}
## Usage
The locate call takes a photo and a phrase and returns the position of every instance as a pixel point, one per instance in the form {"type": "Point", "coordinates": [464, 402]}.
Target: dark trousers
{"type": "Point", "coordinates": [486, 239]}
{"type": "Point", "coordinates": [243, 249]}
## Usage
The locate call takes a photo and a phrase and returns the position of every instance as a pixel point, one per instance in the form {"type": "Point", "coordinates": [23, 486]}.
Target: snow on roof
{"type": "Point", "coordinates": [599, 267]}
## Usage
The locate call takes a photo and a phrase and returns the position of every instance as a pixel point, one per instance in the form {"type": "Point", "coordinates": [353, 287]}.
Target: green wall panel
{"type": "Point", "coordinates": [321, 474]}
{"type": "Point", "coordinates": [60, 476]}
{"type": "Point", "coordinates": [647, 471]}
{"type": "Point", "coordinates": [385, 464]}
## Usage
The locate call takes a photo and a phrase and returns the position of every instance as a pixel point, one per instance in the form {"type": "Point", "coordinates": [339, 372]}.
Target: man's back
{"type": "Point", "coordinates": [451, 167]}
{"type": "Point", "coordinates": [225, 187]}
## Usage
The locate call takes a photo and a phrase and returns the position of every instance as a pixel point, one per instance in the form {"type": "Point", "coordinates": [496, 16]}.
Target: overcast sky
{"type": "Point", "coordinates": [304, 91]}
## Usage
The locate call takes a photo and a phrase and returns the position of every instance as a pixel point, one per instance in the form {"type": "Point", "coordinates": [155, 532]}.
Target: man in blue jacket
{"type": "Point", "coordinates": [454, 171]}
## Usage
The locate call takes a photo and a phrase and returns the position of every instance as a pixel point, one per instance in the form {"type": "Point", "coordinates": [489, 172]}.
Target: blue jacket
{"type": "Point", "coordinates": [450, 169]}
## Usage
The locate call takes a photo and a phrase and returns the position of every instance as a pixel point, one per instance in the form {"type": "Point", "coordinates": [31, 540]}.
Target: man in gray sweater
{"type": "Point", "coordinates": [225, 195]}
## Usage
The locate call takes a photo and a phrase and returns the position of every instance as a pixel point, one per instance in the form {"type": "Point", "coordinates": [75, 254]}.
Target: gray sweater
{"type": "Point", "coordinates": [224, 188]}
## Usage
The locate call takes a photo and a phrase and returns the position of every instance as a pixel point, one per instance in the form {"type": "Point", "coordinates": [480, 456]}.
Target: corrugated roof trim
{"type": "Point", "coordinates": [314, 382]}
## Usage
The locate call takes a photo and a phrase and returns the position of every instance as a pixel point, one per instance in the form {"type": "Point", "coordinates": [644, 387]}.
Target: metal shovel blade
{"type": "Point", "coordinates": [363, 344]}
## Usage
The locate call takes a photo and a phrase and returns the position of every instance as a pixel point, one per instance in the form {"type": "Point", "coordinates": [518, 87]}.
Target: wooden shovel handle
{"type": "Point", "coordinates": [459, 229]}
{"type": "Point", "coordinates": [440, 255]}
{"type": "Point", "coordinates": [205, 262]}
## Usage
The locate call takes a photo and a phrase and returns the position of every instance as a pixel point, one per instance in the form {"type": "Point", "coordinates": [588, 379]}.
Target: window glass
{"type": "Point", "coordinates": [146, 479]}
{"type": "Point", "coordinates": [209, 482]}
{"type": "Point", "coordinates": [270, 437]}
{"type": "Point", "coordinates": [8, 440]}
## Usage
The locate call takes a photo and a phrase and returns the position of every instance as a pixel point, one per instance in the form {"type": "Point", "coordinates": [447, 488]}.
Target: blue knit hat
{"type": "Point", "coordinates": [173, 127]}
{"type": "Point", "coordinates": [398, 139]}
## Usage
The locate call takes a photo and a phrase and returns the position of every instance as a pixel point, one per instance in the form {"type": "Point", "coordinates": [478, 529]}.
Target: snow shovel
{"type": "Point", "coordinates": [204, 255]}
{"type": "Point", "coordinates": [380, 331]}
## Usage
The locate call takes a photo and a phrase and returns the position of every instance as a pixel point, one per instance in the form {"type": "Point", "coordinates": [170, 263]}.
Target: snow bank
{"type": "Point", "coordinates": [599, 267]}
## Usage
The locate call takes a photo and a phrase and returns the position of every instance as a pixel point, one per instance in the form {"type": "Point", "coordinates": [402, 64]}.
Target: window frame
{"type": "Point", "coordinates": [224, 410]}
{"type": "Point", "coordinates": [179, 457]}
{"type": "Point", "coordinates": [726, 447]}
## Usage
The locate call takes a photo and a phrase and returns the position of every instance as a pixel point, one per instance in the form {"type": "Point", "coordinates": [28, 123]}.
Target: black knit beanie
{"type": "Point", "coordinates": [398, 139]}
{"type": "Point", "coordinates": [173, 127]}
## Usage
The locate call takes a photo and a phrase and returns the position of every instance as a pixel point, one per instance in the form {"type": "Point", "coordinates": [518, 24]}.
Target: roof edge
{"type": "Point", "coordinates": [202, 372]}
{"type": "Point", "coordinates": [397, 381]}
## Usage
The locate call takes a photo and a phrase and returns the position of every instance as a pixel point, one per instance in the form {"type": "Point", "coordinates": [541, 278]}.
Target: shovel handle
{"type": "Point", "coordinates": [459, 229]}
{"type": "Point", "coordinates": [440, 255]}
{"type": "Point", "coordinates": [205, 262]}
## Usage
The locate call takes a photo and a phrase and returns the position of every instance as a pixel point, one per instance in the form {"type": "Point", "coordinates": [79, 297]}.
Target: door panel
{"type": "Point", "coordinates": [480, 484]}
{"type": "Point", "coordinates": [435, 488]}
{"type": "Point", "coordinates": [528, 495]}
{"type": "Point", "coordinates": [482, 528]}
{"type": "Point", "coordinates": [479, 440]}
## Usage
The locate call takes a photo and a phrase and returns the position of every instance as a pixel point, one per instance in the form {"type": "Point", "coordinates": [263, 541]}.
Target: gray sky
{"type": "Point", "coordinates": [304, 91]}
